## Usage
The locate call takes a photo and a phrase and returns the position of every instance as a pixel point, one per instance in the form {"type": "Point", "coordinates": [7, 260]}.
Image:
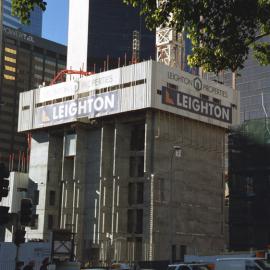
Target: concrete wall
{"type": "Point", "coordinates": [45, 173]}
{"type": "Point", "coordinates": [182, 197]}
{"type": "Point", "coordinates": [189, 193]}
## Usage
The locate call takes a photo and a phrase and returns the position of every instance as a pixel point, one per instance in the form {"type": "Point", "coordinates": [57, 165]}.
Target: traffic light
{"type": "Point", "coordinates": [4, 183]}
{"type": "Point", "coordinates": [26, 212]}
{"type": "Point", "coordinates": [19, 236]}
{"type": "Point", "coordinates": [4, 215]}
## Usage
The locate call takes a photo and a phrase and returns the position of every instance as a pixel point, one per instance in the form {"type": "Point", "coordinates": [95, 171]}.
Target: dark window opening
{"type": "Point", "coordinates": [130, 221]}
{"type": "Point", "coordinates": [131, 193]}
{"type": "Point", "coordinates": [137, 137]}
{"type": "Point", "coordinates": [52, 198]}
{"type": "Point", "coordinates": [50, 222]}
{"type": "Point", "coordinates": [173, 253]}
{"type": "Point", "coordinates": [140, 191]}
{"type": "Point", "coordinates": [136, 166]}
{"type": "Point", "coordinates": [139, 221]}
{"type": "Point", "coordinates": [183, 252]}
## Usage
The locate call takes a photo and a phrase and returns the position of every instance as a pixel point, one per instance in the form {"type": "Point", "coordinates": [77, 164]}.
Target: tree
{"type": "Point", "coordinates": [221, 31]}
{"type": "Point", "coordinates": [23, 8]}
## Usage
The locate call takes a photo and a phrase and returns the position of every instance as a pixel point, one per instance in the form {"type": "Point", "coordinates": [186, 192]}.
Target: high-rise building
{"type": "Point", "coordinates": [111, 26]}
{"type": "Point", "coordinates": [253, 84]}
{"type": "Point", "coordinates": [118, 156]}
{"type": "Point", "coordinates": [28, 61]}
{"type": "Point", "coordinates": [35, 28]}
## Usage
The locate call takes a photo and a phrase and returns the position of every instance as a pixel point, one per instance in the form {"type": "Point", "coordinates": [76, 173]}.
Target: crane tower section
{"type": "Point", "coordinates": [170, 46]}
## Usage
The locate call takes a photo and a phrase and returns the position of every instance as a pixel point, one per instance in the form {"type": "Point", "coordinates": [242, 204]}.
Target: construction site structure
{"type": "Point", "coordinates": [131, 160]}
{"type": "Point", "coordinates": [136, 44]}
{"type": "Point", "coordinates": [169, 46]}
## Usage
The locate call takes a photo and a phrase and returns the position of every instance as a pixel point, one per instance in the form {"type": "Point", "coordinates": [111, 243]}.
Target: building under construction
{"type": "Point", "coordinates": [131, 160]}
{"type": "Point", "coordinates": [249, 217]}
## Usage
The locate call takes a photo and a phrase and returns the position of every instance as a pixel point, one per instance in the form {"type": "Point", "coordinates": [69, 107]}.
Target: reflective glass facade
{"type": "Point", "coordinates": [253, 84]}
{"type": "Point", "coordinates": [111, 26]}
{"type": "Point", "coordinates": [35, 28]}
{"type": "Point", "coordinates": [254, 88]}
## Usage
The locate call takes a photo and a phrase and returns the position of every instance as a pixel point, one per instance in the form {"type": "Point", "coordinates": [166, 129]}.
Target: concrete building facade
{"type": "Point", "coordinates": [106, 160]}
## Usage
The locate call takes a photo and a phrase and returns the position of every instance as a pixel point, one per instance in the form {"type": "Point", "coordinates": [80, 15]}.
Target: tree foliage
{"type": "Point", "coordinates": [23, 8]}
{"type": "Point", "coordinates": [221, 31]}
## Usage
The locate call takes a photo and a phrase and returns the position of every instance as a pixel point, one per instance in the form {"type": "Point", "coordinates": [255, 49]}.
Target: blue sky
{"type": "Point", "coordinates": [55, 21]}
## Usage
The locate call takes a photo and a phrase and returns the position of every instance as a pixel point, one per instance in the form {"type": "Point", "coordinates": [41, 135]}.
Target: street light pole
{"type": "Point", "coordinates": [177, 151]}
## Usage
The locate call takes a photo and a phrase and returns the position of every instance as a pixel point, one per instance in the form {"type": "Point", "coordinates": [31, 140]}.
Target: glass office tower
{"type": "Point", "coordinates": [111, 26]}
{"type": "Point", "coordinates": [34, 28]}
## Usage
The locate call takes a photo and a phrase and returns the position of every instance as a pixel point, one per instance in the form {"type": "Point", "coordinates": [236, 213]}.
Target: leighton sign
{"type": "Point", "coordinates": [197, 84]}
{"type": "Point", "coordinates": [69, 111]}
{"type": "Point", "coordinates": [196, 105]}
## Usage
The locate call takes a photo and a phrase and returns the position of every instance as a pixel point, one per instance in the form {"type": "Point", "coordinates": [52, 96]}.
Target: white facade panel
{"type": "Point", "coordinates": [56, 91]}
{"type": "Point", "coordinates": [100, 80]}
{"type": "Point", "coordinates": [143, 85]}
{"type": "Point", "coordinates": [194, 90]}
{"type": "Point", "coordinates": [25, 116]}
{"type": "Point", "coordinates": [77, 35]}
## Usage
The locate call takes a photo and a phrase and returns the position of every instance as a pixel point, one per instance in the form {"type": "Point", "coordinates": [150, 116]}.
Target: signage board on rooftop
{"type": "Point", "coordinates": [131, 88]}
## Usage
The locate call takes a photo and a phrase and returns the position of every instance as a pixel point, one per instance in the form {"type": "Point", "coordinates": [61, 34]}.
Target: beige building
{"type": "Point", "coordinates": [132, 161]}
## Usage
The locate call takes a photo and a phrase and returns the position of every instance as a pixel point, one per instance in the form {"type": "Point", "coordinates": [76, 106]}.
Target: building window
{"type": "Point", "coordinates": [52, 197]}
{"type": "Point", "coordinates": [140, 191]}
{"type": "Point", "coordinates": [173, 253]}
{"type": "Point", "coordinates": [136, 166]}
{"type": "Point", "coordinates": [9, 77]}
{"type": "Point", "coordinates": [131, 193]}
{"type": "Point", "coordinates": [50, 222]}
{"type": "Point", "coordinates": [9, 68]}
{"type": "Point", "coordinates": [183, 252]}
{"type": "Point", "coordinates": [9, 50]}
{"type": "Point", "coordinates": [139, 221]}
{"type": "Point", "coordinates": [137, 137]}
{"type": "Point", "coordinates": [9, 59]}
{"type": "Point", "coordinates": [130, 220]}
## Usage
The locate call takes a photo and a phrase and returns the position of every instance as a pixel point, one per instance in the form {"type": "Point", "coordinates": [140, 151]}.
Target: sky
{"type": "Point", "coordinates": [55, 21]}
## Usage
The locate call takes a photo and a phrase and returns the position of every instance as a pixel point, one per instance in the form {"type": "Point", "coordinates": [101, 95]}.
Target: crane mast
{"type": "Point", "coordinates": [169, 46]}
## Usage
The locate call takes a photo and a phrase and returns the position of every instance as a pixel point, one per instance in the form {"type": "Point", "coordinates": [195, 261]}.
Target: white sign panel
{"type": "Point", "coordinates": [193, 84]}
{"type": "Point", "coordinates": [56, 91]}
{"type": "Point", "coordinates": [64, 112]}
{"type": "Point", "coordinates": [100, 80]}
